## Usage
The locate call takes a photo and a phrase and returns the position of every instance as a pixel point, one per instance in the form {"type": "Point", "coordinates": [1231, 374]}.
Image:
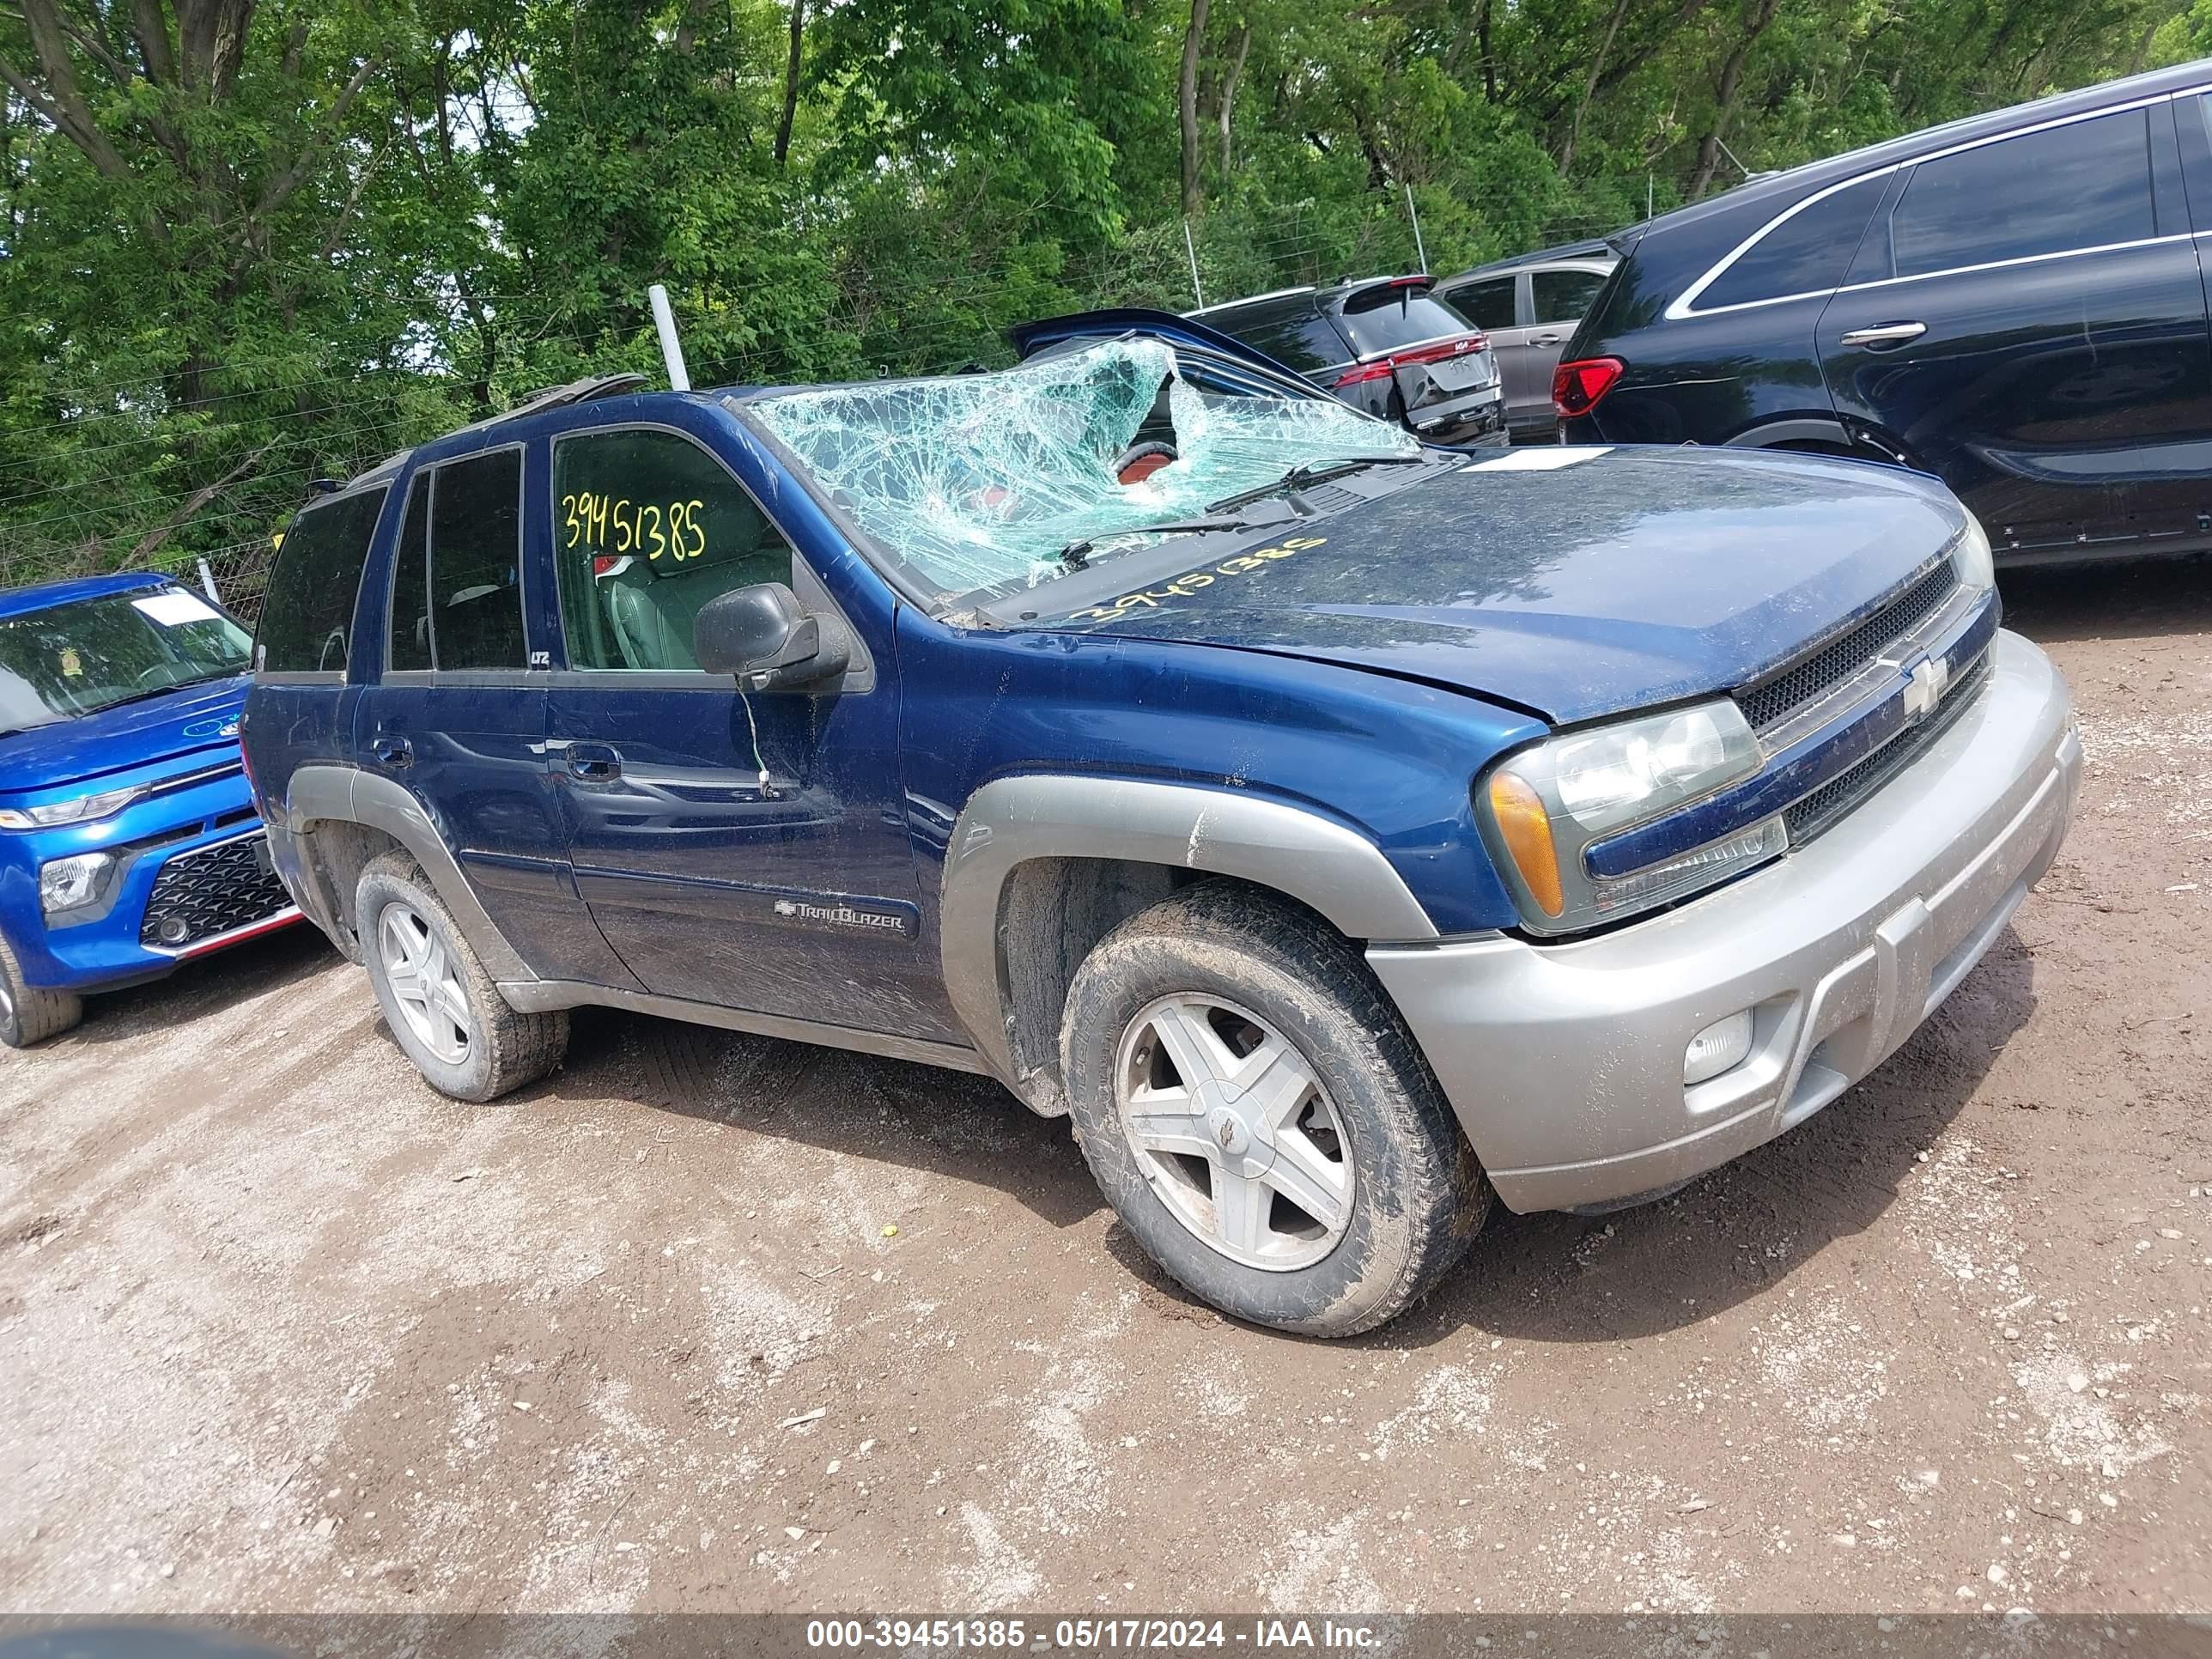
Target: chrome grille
{"type": "Point", "coordinates": [207, 892]}
{"type": "Point", "coordinates": [1805, 682]}
{"type": "Point", "coordinates": [1810, 814]}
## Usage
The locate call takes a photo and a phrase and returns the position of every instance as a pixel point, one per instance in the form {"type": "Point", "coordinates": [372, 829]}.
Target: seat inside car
{"type": "Point", "coordinates": [651, 604]}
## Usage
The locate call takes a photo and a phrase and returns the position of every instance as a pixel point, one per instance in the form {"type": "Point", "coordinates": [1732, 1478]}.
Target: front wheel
{"type": "Point", "coordinates": [442, 1006]}
{"type": "Point", "coordinates": [1254, 1108]}
{"type": "Point", "coordinates": [31, 1013]}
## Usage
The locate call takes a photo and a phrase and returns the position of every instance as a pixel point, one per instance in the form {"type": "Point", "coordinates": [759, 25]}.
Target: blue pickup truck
{"type": "Point", "coordinates": [1340, 831]}
{"type": "Point", "coordinates": [128, 839]}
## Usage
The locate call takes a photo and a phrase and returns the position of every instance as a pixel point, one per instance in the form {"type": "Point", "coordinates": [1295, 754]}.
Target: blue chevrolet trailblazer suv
{"type": "Point", "coordinates": [1340, 830]}
{"type": "Point", "coordinates": [128, 840]}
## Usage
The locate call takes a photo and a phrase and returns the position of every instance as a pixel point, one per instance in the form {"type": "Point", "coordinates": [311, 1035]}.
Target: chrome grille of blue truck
{"type": "Point", "coordinates": [1813, 677]}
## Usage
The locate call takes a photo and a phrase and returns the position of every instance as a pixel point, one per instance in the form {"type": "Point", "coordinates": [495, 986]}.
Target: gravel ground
{"type": "Point", "coordinates": [279, 1329]}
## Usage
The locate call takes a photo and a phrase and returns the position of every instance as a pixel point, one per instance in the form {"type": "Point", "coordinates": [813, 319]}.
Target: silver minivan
{"type": "Point", "coordinates": [1529, 306]}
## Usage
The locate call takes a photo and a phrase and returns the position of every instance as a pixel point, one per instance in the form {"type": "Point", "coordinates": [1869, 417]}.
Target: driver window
{"type": "Point", "coordinates": [648, 526]}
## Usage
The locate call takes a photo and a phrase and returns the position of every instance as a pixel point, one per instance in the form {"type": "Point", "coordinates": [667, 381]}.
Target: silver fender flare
{"type": "Point", "coordinates": [1338, 872]}
{"type": "Point", "coordinates": [349, 795]}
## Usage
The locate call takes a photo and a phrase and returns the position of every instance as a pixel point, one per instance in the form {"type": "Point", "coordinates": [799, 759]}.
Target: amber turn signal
{"type": "Point", "coordinates": [1525, 829]}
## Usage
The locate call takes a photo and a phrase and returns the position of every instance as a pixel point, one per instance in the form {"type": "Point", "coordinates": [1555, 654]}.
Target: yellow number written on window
{"type": "Point", "coordinates": [615, 524]}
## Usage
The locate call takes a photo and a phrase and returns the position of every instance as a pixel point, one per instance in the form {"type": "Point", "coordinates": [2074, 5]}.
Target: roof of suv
{"type": "Point", "coordinates": [1782, 188]}
{"type": "Point", "coordinates": [1338, 294]}
{"type": "Point", "coordinates": [1565, 253]}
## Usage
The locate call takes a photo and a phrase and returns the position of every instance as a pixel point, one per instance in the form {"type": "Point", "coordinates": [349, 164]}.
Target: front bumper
{"type": "Point", "coordinates": [1564, 1062]}
{"type": "Point", "coordinates": [189, 878]}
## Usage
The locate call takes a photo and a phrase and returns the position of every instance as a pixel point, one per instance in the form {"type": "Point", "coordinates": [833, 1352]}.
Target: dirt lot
{"type": "Point", "coordinates": [281, 1329]}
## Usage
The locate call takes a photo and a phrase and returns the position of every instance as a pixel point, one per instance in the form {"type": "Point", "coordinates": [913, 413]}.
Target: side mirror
{"type": "Point", "coordinates": [763, 636]}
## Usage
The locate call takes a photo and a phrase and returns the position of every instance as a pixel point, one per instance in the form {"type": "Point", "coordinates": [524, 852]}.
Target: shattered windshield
{"type": "Point", "coordinates": [981, 481]}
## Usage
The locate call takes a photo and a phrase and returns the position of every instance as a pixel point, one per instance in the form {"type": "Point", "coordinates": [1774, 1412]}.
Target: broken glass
{"type": "Point", "coordinates": [979, 480]}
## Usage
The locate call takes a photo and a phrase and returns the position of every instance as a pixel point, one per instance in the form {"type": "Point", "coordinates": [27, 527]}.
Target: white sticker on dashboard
{"type": "Point", "coordinates": [175, 607]}
{"type": "Point", "coordinates": [1547, 458]}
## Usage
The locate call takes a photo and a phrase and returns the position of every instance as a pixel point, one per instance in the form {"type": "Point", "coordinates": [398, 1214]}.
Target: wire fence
{"type": "Point", "coordinates": [123, 476]}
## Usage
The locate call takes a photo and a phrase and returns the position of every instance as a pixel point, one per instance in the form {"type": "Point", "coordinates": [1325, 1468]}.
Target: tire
{"type": "Point", "coordinates": [32, 1013]}
{"type": "Point", "coordinates": [1393, 1195]}
{"type": "Point", "coordinates": [460, 1032]}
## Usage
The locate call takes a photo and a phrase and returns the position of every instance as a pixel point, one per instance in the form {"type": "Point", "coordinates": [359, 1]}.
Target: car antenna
{"type": "Point", "coordinates": [671, 349]}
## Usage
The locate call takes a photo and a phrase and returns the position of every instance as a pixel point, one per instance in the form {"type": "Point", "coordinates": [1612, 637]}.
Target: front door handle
{"type": "Point", "coordinates": [592, 762]}
{"type": "Point", "coordinates": [1547, 339]}
{"type": "Point", "coordinates": [392, 750]}
{"type": "Point", "coordinates": [1885, 334]}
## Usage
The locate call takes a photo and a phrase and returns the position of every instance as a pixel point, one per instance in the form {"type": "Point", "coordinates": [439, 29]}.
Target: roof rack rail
{"type": "Point", "coordinates": [588, 389]}
{"type": "Point", "coordinates": [585, 391]}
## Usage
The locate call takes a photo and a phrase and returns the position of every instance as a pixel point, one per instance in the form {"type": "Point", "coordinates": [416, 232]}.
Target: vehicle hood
{"type": "Point", "coordinates": [190, 725]}
{"type": "Point", "coordinates": [1622, 578]}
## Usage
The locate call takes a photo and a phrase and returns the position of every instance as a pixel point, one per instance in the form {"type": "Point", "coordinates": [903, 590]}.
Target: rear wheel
{"type": "Point", "coordinates": [1258, 1114]}
{"type": "Point", "coordinates": [443, 1008]}
{"type": "Point", "coordinates": [32, 1013]}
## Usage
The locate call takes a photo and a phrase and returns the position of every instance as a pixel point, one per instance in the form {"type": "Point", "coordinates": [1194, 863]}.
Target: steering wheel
{"type": "Point", "coordinates": [145, 675]}
{"type": "Point", "coordinates": [1139, 461]}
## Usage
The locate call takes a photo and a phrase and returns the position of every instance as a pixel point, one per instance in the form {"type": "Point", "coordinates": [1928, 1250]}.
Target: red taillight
{"type": "Point", "coordinates": [1576, 386]}
{"type": "Point", "coordinates": [1460, 345]}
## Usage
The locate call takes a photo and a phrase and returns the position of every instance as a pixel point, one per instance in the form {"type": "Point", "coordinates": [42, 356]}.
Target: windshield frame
{"type": "Point", "coordinates": [126, 598]}
{"type": "Point", "coordinates": [1229, 373]}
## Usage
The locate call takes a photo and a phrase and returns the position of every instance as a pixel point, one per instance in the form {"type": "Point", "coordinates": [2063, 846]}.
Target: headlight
{"type": "Point", "coordinates": [83, 810]}
{"type": "Point", "coordinates": [72, 882]}
{"type": "Point", "coordinates": [1544, 807]}
{"type": "Point", "coordinates": [1972, 558]}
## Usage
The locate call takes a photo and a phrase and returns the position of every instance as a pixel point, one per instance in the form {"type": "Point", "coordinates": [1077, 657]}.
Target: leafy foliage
{"type": "Point", "coordinates": [245, 243]}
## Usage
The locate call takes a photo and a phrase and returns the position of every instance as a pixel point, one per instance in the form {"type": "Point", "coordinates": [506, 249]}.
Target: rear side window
{"type": "Point", "coordinates": [1300, 339]}
{"type": "Point", "coordinates": [1562, 296]}
{"type": "Point", "coordinates": [1487, 304]}
{"type": "Point", "coordinates": [307, 612]}
{"type": "Point", "coordinates": [647, 528]}
{"type": "Point", "coordinates": [2084, 185]}
{"type": "Point", "coordinates": [1403, 318]}
{"type": "Point", "coordinates": [457, 590]}
{"type": "Point", "coordinates": [1808, 252]}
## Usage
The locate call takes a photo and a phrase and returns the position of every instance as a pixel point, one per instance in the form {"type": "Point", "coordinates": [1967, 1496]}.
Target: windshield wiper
{"type": "Point", "coordinates": [173, 685]}
{"type": "Point", "coordinates": [1313, 473]}
{"type": "Point", "coordinates": [1077, 553]}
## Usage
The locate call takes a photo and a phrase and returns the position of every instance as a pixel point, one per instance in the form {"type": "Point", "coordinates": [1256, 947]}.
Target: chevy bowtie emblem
{"type": "Point", "coordinates": [1925, 688]}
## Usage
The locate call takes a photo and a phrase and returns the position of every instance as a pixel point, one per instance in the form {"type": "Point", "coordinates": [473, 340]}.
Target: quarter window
{"type": "Point", "coordinates": [307, 611]}
{"type": "Point", "coordinates": [1809, 252]}
{"type": "Point", "coordinates": [648, 526]}
{"type": "Point", "coordinates": [1300, 339]}
{"type": "Point", "coordinates": [2084, 185]}
{"type": "Point", "coordinates": [410, 584]}
{"type": "Point", "coordinates": [1488, 304]}
{"type": "Point", "coordinates": [1564, 296]}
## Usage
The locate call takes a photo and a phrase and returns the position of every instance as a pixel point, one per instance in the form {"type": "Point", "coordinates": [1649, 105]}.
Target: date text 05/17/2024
{"type": "Point", "coordinates": [1088, 1634]}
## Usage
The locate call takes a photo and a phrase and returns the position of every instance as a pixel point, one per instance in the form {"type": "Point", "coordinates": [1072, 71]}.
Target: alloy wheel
{"type": "Point", "coordinates": [425, 984]}
{"type": "Point", "coordinates": [1235, 1133]}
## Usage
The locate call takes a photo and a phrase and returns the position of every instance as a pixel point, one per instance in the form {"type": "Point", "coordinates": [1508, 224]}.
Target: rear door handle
{"type": "Point", "coordinates": [1885, 334]}
{"type": "Point", "coordinates": [592, 762]}
{"type": "Point", "coordinates": [391, 750]}
{"type": "Point", "coordinates": [1547, 339]}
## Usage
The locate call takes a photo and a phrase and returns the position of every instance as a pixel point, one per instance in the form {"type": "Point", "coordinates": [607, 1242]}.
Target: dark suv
{"type": "Point", "coordinates": [1386, 345]}
{"type": "Point", "coordinates": [2012, 302]}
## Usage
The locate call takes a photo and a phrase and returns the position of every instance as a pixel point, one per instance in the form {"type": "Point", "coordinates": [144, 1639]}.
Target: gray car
{"type": "Point", "coordinates": [1528, 306]}
{"type": "Point", "coordinates": [1386, 346]}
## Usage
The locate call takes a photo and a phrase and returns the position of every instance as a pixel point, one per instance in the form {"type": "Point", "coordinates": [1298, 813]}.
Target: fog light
{"type": "Point", "coordinates": [72, 882]}
{"type": "Point", "coordinates": [173, 930]}
{"type": "Point", "coordinates": [1715, 1049]}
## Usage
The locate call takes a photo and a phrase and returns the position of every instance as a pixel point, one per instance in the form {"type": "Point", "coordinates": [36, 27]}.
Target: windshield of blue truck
{"type": "Point", "coordinates": [987, 480]}
{"type": "Point", "coordinates": [69, 661]}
